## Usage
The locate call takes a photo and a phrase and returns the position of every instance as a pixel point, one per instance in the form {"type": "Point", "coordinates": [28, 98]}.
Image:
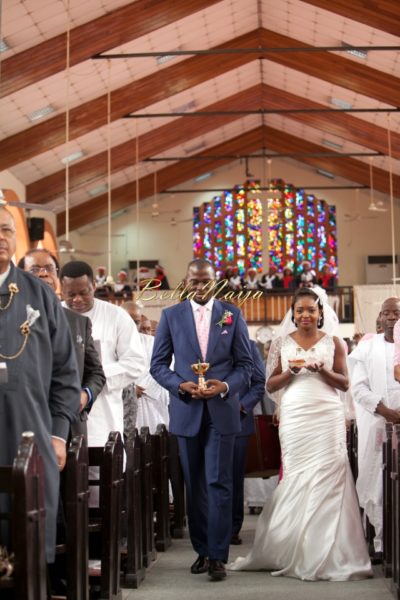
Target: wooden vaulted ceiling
{"type": "Point", "coordinates": [42, 65]}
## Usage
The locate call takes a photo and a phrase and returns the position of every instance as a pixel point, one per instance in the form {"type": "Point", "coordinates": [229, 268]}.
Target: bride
{"type": "Point", "coordinates": [311, 527]}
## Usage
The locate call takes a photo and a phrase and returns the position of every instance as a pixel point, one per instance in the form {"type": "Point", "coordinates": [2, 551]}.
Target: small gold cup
{"type": "Point", "coordinates": [200, 369]}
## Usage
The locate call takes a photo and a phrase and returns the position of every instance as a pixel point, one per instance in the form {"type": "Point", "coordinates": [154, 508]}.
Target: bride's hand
{"type": "Point", "coordinates": [314, 367]}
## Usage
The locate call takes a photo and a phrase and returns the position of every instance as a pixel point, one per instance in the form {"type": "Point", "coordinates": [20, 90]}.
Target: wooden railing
{"type": "Point", "coordinates": [270, 308]}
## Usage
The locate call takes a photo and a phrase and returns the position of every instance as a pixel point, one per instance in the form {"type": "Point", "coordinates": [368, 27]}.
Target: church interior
{"type": "Point", "coordinates": [255, 134]}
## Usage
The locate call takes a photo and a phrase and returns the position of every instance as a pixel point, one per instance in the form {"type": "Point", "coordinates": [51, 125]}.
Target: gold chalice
{"type": "Point", "coordinates": [200, 369]}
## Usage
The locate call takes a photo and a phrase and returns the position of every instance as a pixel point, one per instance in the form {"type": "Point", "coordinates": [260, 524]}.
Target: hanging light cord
{"type": "Point", "coordinates": [67, 133]}
{"type": "Point", "coordinates": [389, 135]}
{"type": "Point", "coordinates": [109, 249]}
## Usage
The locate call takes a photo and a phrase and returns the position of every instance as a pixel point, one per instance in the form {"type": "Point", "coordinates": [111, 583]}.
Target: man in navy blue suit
{"type": "Point", "coordinates": [205, 421]}
{"type": "Point", "coordinates": [250, 396]}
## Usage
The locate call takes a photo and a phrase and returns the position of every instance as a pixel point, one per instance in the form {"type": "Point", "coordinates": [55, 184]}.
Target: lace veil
{"type": "Point", "coordinates": [330, 327]}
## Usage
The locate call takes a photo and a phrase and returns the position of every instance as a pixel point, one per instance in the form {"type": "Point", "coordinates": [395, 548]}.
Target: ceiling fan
{"type": "Point", "coordinates": [23, 205]}
{"type": "Point", "coordinates": [350, 218]}
{"type": "Point", "coordinates": [66, 247]}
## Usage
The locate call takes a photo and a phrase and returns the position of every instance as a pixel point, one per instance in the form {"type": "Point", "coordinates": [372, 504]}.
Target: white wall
{"type": "Point", "coordinates": [172, 246]}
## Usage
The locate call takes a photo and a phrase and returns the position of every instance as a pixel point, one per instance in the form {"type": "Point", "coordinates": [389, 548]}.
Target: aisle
{"type": "Point", "coordinates": [170, 579]}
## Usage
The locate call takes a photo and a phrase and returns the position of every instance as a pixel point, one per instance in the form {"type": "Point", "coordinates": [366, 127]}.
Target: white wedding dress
{"type": "Point", "coordinates": [311, 527]}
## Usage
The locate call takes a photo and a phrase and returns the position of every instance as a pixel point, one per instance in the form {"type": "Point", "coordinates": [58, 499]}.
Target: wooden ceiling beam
{"type": "Point", "coordinates": [184, 129]}
{"type": "Point", "coordinates": [99, 35]}
{"type": "Point", "coordinates": [334, 69]}
{"type": "Point", "coordinates": [125, 196]}
{"type": "Point", "coordinates": [186, 74]}
{"type": "Point", "coordinates": [150, 144]}
{"type": "Point", "coordinates": [340, 124]}
{"type": "Point", "coordinates": [129, 98]}
{"type": "Point", "coordinates": [278, 141]}
{"type": "Point", "coordinates": [349, 168]}
{"type": "Point", "coordinates": [379, 14]}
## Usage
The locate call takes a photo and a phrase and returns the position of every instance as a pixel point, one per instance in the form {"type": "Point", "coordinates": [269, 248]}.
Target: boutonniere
{"type": "Point", "coordinates": [226, 319]}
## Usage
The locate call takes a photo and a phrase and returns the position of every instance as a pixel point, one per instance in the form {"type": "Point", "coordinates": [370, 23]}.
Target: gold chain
{"type": "Point", "coordinates": [13, 289]}
{"type": "Point", "coordinates": [25, 331]}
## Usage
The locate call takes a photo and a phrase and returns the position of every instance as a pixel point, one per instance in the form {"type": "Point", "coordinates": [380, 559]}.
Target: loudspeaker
{"type": "Point", "coordinates": [36, 229]}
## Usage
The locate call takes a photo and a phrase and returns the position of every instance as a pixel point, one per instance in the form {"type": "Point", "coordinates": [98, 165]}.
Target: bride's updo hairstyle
{"type": "Point", "coordinates": [302, 293]}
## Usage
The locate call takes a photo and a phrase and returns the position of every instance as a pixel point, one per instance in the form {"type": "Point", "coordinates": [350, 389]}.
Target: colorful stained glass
{"type": "Point", "coordinates": [228, 229]}
{"type": "Point", "coordinates": [309, 229]}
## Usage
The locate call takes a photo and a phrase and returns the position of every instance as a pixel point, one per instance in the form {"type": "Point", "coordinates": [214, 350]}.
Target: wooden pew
{"type": "Point", "coordinates": [161, 488]}
{"type": "Point", "coordinates": [24, 482]}
{"type": "Point", "coordinates": [149, 550]}
{"type": "Point", "coordinates": [395, 475]}
{"type": "Point", "coordinates": [387, 501]}
{"type": "Point", "coordinates": [133, 571]}
{"type": "Point", "coordinates": [75, 499]}
{"type": "Point", "coordinates": [106, 519]}
{"type": "Point", "coordinates": [178, 517]}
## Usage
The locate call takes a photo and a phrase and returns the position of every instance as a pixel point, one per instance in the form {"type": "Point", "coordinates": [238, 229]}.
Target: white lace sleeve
{"type": "Point", "coordinates": [274, 356]}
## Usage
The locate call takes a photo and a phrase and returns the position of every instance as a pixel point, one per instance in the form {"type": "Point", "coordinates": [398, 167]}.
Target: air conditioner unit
{"type": "Point", "coordinates": [379, 269]}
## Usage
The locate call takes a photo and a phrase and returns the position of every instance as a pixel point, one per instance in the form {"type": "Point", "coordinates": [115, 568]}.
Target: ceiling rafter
{"type": "Point", "coordinates": [131, 97]}
{"type": "Point", "coordinates": [183, 130]}
{"type": "Point", "coordinates": [278, 141]}
{"type": "Point", "coordinates": [109, 31]}
{"type": "Point", "coordinates": [125, 196]}
{"type": "Point", "coordinates": [381, 14]}
{"type": "Point", "coordinates": [153, 142]}
{"type": "Point", "coordinates": [182, 76]}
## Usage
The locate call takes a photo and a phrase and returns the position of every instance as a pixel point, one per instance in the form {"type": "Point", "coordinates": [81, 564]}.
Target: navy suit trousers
{"type": "Point", "coordinates": [207, 463]}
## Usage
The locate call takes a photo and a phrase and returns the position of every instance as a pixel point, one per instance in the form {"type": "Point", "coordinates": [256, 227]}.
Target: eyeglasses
{"type": "Point", "coordinates": [6, 230]}
{"type": "Point", "coordinates": [51, 269]}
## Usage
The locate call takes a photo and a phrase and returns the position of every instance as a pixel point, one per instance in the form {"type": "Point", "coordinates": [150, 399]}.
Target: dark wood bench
{"type": "Point", "coordinates": [149, 550]}
{"type": "Point", "coordinates": [24, 483]}
{"type": "Point", "coordinates": [161, 488]}
{"type": "Point", "coordinates": [387, 468]}
{"type": "Point", "coordinates": [105, 520]}
{"type": "Point", "coordinates": [395, 475]}
{"type": "Point", "coordinates": [178, 516]}
{"type": "Point", "coordinates": [75, 499]}
{"type": "Point", "coordinates": [132, 568]}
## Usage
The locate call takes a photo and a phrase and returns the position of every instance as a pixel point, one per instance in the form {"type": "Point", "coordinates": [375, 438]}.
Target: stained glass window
{"type": "Point", "coordinates": [230, 227]}
{"type": "Point", "coordinates": [301, 227]}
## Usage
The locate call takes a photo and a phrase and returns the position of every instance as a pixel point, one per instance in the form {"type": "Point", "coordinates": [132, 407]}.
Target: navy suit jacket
{"type": "Point", "coordinates": [253, 394]}
{"type": "Point", "coordinates": [230, 361]}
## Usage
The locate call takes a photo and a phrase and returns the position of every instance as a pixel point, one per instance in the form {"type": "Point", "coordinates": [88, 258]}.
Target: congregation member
{"type": "Point", "coordinates": [152, 399]}
{"type": "Point", "coordinates": [271, 280]}
{"type": "Point", "coordinates": [205, 420]}
{"type": "Point", "coordinates": [250, 282]}
{"type": "Point", "coordinates": [250, 396]}
{"type": "Point", "coordinates": [376, 394]}
{"type": "Point", "coordinates": [307, 275]}
{"type": "Point", "coordinates": [235, 281]}
{"type": "Point", "coordinates": [117, 341]}
{"type": "Point", "coordinates": [41, 263]}
{"type": "Point", "coordinates": [122, 289]}
{"type": "Point", "coordinates": [304, 528]}
{"type": "Point", "coordinates": [288, 280]}
{"type": "Point", "coordinates": [327, 279]}
{"type": "Point", "coordinates": [39, 378]}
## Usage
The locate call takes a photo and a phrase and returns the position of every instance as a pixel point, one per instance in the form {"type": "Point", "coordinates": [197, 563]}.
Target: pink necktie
{"type": "Point", "coordinates": [202, 329]}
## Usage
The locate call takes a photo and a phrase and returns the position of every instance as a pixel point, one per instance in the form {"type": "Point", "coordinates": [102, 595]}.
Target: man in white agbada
{"type": "Point", "coordinates": [377, 400]}
{"type": "Point", "coordinates": [118, 343]}
{"type": "Point", "coordinates": [153, 399]}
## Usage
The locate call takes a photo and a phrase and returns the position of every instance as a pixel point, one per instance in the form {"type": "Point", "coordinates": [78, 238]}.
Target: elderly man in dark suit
{"type": "Point", "coordinates": [41, 263]}
{"type": "Point", "coordinates": [205, 420]}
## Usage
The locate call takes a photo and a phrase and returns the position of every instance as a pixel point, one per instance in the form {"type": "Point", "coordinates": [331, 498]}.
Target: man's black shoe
{"type": "Point", "coordinates": [236, 540]}
{"type": "Point", "coordinates": [216, 570]}
{"type": "Point", "coordinates": [200, 565]}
